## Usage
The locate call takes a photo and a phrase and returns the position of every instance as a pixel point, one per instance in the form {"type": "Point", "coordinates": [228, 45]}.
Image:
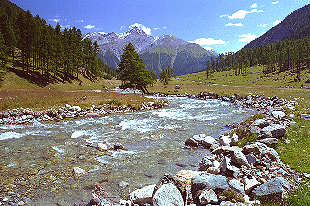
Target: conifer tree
{"type": "Point", "coordinates": [132, 72]}
{"type": "Point", "coordinates": [3, 50]}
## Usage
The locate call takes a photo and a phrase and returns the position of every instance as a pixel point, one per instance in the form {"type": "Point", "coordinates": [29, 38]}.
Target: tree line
{"type": "Point", "coordinates": [53, 52]}
{"type": "Point", "coordinates": [292, 55]}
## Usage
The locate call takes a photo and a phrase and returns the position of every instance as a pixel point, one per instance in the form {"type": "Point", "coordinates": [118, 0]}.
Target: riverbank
{"type": "Point", "coordinates": [258, 101]}
{"type": "Point", "coordinates": [245, 171]}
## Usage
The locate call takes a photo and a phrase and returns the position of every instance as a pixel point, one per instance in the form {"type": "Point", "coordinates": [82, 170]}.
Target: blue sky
{"type": "Point", "coordinates": [221, 25]}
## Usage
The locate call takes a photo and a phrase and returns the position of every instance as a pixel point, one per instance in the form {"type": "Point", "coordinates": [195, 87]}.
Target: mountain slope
{"type": "Point", "coordinates": [157, 53]}
{"type": "Point", "coordinates": [294, 26]}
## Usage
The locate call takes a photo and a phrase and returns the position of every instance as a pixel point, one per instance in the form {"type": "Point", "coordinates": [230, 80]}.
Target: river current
{"type": "Point", "coordinates": [154, 143]}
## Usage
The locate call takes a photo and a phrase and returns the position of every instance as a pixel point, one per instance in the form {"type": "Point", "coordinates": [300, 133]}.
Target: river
{"type": "Point", "coordinates": [37, 160]}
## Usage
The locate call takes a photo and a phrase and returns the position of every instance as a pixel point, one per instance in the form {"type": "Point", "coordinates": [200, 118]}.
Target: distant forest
{"type": "Point", "coordinates": [34, 46]}
{"type": "Point", "coordinates": [292, 55]}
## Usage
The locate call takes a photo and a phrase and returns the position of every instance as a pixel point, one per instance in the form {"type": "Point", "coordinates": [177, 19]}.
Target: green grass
{"type": "Point", "coordinates": [297, 152]}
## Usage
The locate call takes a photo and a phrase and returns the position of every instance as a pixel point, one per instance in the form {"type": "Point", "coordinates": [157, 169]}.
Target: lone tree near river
{"type": "Point", "coordinates": [132, 71]}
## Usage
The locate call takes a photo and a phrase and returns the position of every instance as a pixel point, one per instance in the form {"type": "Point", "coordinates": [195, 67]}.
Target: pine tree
{"type": "Point", "coordinates": [7, 31]}
{"type": "Point", "coordinates": [3, 50]}
{"type": "Point", "coordinates": [132, 72]}
{"type": "Point", "coordinates": [165, 75]}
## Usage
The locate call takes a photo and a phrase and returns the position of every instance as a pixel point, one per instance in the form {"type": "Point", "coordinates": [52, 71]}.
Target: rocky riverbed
{"type": "Point", "coordinates": [228, 174]}
{"type": "Point", "coordinates": [60, 162]}
{"type": "Point", "coordinates": [29, 116]}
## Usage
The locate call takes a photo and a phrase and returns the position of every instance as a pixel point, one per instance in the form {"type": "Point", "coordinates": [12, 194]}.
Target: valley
{"type": "Point", "coordinates": [153, 115]}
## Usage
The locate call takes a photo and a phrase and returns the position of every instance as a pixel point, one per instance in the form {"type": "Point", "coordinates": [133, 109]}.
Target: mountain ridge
{"type": "Point", "coordinates": [157, 52]}
{"type": "Point", "coordinates": [295, 26]}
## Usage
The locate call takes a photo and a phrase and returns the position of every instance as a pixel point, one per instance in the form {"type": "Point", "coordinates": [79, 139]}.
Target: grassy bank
{"type": "Point", "coordinates": [17, 92]}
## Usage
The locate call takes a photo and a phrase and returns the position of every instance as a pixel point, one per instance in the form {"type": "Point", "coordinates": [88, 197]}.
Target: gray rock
{"type": "Point", "coordinates": [269, 141]}
{"type": "Point", "coordinates": [209, 181]}
{"type": "Point", "coordinates": [261, 123]}
{"type": "Point", "coordinates": [234, 140]}
{"type": "Point", "coordinates": [305, 116]}
{"type": "Point", "coordinates": [237, 186]}
{"type": "Point", "coordinates": [76, 108]}
{"type": "Point", "coordinates": [143, 195]}
{"type": "Point", "coordinates": [123, 184]}
{"type": "Point", "coordinates": [208, 142]}
{"type": "Point", "coordinates": [278, 114]}
{"type": "Point", "coordinates": [228, 203]}
{"type": "Point", "coordinates": [78, 172]}
{"type": "Point", "coordinates": [250, 184]}
{"type": "Point", "coordinates": [274, 186]}
{"type": "Point", "coordinates": [208, 196]}
{"type": "Point", "coordinates": [227, 168]}
{"type": "Point", "coordinates": [191, 142]}
{"type": "Point", "coordinates": [205, 164]}
{"type": "Point", "coordinates": [168, 195]}
{"type": "Point", "coordinates": [225, 140]}
{"type": "Point", "coordinates": [273, 131]}
{"type": "Point", "coordinates": [251, 159]}
{"type": "Point", "coordinates": [237, 157]}
{"type": "Point", "coordinates": [214, 170]}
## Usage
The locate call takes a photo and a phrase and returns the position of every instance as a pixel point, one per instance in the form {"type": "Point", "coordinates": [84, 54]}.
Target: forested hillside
{"type": "Point", "coordinates": [286, 55]}
{"type": "Point", "coordinates": [29, 43]}
{"type": "Point", "coordinates": [294, 26]}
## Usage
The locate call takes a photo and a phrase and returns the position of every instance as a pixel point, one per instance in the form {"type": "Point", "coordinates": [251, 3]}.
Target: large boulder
{"type": "Point", "coordinates": [278, 114]}
{"type": "Point", "coordinates": [208, 197]}
{"type": "Point", "coordinates": [273, 131]}
{"type": "Point", "coordinates": [208, 142]}
{"type": "Point", "coordinates": [225, 140]}
{"type": "Point", "coordinates": [143, 195]}
{"type": "Point", "coordinates": [261, 123]}
{"type": "Point", "coordinates": [191, 142]}
{"type": "Point", "coordinates": [237, 186]}
{"type": "Point", "coordinates": [78, 172]}
{"type": "Point", "coordinates": [259, 148]}
{"type": "Point", "coordinates": [250, 184]}
{"type": "Point", "coordinates": [269, 141]}
{"type": "Point", "coordinates": [200, 140]}
{"type": "Point", "coordinates": [237, 157]}
{"type": "Point", "coordinates": [258, 125]}
{"type": "Point", "coordinates": [168, 195]}
{"type": "Point", "coordinates": [227, 168]}
{"type": "Point", "coordinates": [208, 181]}
{"type": "Point", "coordinates": [275, 186]}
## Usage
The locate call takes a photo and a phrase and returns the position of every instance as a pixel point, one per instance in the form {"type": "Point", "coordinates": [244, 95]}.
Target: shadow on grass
{"type": "Point", "coordinates": [36, 76]}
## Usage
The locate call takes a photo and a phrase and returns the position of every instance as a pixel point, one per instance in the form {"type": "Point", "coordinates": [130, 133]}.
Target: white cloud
{"type": "Point", "coordinates": [164, 27]}
{"type": "Point", "coordinates": [254, 5]}
{"type": "Point", "coordinates": [276, 22]}
{"type": "Point", "coordinates": [89, 26]}
{"type": "Point", "coordinates": [207, 41]}
{"type": "Point", "coordinates": [147, 30]}
{"type": "Point", "coordinates": [224, 15]}
{"type": "Point", "coordinates": [256, 11]}
{"type": "Point", "coordinates": [262, 25]}
{"type": "Point", "coordinates": [275, 2]}
{"type": "Point", "coordinates": [231, 24]}
{"type": "Point", "coordinates": [54, 20]}
{"type": "Point", "coordinates": [156, 28]}
{"type": "Point", "coordinates": [240, 14]}
{"type": "Point", "coordinates": [207, 48]}
{"type": "Point", "coordinates": [247, 37]}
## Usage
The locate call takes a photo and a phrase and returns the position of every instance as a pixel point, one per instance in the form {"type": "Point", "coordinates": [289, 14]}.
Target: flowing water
{"type": "Point", "coordinates": [37, 160]}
